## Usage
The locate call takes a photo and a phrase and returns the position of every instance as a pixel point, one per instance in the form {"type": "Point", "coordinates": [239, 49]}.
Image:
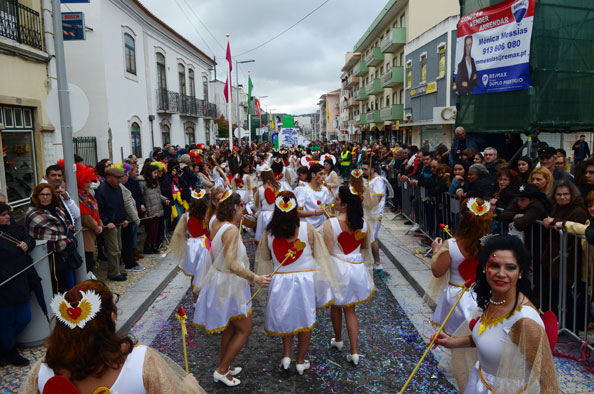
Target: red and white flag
{"type": "Point", "coordinates": [228, 81]}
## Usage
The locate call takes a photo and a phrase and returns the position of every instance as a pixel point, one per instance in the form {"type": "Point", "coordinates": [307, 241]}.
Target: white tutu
{"type": "Point", "coordinates": [197, 259]}
{"type": "Point", "coordinates": [262, 223]}
{"type": "Point", "coordinates": [464, 311]}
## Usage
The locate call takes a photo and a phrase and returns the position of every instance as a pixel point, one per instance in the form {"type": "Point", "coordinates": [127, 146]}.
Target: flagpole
{"type": "Point", "coordinates": [249, 115]}
{"type": "Point", "coordinates": [229, 110]}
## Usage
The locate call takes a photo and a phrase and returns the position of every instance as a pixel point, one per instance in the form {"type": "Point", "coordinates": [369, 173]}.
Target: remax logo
{"type": "Point", "coordinates": [485, 79]}
{"type": "Point", "coordinates": [519, 9]}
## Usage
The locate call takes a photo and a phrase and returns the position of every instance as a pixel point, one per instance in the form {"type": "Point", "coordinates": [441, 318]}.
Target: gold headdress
{"type": "Point", "coordinates": [225, 196]}
{"type": "Point", "coordinates": [198, 193]}
{"type": "Point", "coordinates": [357, 173]}
{"type": "Point", "coordinates": [285, 206]}
{"type": "Point", "coordinates": [478, 209]}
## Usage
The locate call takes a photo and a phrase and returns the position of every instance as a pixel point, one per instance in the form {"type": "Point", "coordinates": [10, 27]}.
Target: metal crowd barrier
{"type": "Point", "coordinates": [561, 270]}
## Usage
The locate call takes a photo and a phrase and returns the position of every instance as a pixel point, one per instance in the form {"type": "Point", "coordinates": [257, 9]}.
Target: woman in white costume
{"type": "Point", "coordinates": [331, 180]}
{"type": "Point", "coordinates": [222, 305]}
{"type": "Point", "coordinates": [347, 240]}
{"type": "Point", "coordinates": [281, 174]}
{"type": "Point", "coordinates": [242, 182]}
{"type": "Point", "coordinates": [190, 243]}
{"type": "Point", "coordinates": [301, 285]}
{"type": "Point", "coordinates": [314, 199]}
{"type": "Point", "coordinates": [264, 198]}
{"type": "Point", "coordinates": [218, 174]}
{"type": "Point", "coordinates": [211, 214]}
{"type": "Point", "coordinates": [513, 349]}
{"type": "Point", "coordinates": [454, 262]}
{"type": "Point", "coordinates": [85, 355]}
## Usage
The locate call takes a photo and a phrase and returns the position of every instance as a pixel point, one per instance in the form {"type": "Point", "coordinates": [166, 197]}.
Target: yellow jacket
{"type": "Point", "coordinates": [580, 229]}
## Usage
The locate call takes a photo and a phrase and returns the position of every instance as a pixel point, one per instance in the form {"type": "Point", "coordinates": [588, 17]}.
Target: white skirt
{"type": "Point", "coordinates": [213, 317]}
{"type": "Point", "coordinates": [196, 264]}
{"type": "Point", "coordinates": [291, 305]}
{"type": "Point", "coordinates": [374, 227]}
{"type": "Point", "coordinates": [262, 223]}
{"type": "Point", "coordinates": [360, 287]}
{"type": "Point", "coordinates": [463, 313]}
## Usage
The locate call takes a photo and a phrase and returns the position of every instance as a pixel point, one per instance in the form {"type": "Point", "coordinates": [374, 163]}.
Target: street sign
{"type": "Point", "coordinates": [73, 26]}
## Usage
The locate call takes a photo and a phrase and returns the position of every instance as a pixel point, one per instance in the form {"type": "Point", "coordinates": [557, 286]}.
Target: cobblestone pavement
{"type": "Point", "coordinates": [388, 342]}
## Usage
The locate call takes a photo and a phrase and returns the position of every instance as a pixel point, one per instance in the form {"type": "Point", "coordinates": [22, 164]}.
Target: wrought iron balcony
{"type": "Point", "coordinates": [211, 110]}
{"type": "Point", "coordinates": [189, 106]}
{"type": "Point", "coordinates": [167, 101]}
{"type": "Point", "coordinates": [20, 23]}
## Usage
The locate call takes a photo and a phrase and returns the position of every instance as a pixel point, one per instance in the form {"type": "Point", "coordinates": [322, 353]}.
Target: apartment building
{"type": "Point", "coordinates": [373, 76]}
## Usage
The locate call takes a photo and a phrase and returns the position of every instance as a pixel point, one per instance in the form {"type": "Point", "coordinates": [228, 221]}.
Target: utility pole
{"type": "Point", "coordinates": [66, 128]}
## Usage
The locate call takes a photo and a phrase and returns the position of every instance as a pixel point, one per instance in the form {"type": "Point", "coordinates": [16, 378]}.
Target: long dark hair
{"type": "Point", "coordinates": [95, 348]}
{"type": "Point", "coordinates": [502, 242]}
{"type": "Point", "coordinates": [198, 208]}
{"type": "Point", "coordinates": [354, 208]}
{"type": "Point", "coordinates": [283, 224]}
{"type": "Point", "coordinates": [148, 177]}
{"type": "Point", "coordinates": [226, 209]}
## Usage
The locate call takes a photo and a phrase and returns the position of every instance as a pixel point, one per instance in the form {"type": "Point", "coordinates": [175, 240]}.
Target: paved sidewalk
{"type": "Point", "coordinates": [405, 251]}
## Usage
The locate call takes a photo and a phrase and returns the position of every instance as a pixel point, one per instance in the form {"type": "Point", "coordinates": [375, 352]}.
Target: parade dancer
{"type": "Point", "coordinates": [218, 174]}
{"type": "Point", "coordinates": [85, 354]}
{"type": "Point", "coordinates": [331, 179]}
{"type": "Point", "coordinates": [264, 197]}
{"type": "Point", "coordinates": [222, 305]}
{"type": "Point", "coordinates": [242, 182]}
{"type": "Point", "coordinates": [302, 281]}
{"type": "Point", "coordinates": [346, 237]}
{"type": "Point", "coordinates": [281, 174]}
{"type": "Point", "coordinates": [454, 262]}
{"type": "Point", "coordinates": [512, 341]}
{"type": "Point", "coordinates": [190, 243]}
{"type": "Point", "coordinates": [313, 198]}
{"type": "Point", "coordinates": [374, 203]}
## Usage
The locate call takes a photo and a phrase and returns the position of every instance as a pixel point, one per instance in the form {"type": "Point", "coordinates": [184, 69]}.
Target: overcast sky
{"type": "Point", "coordinates": [294, 69]}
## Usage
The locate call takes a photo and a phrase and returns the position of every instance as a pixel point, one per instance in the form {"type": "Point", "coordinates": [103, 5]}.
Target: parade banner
{"type": "Point", "coordinates": [493, 48]}
{"type": "Point", "coordinates": [288, 137]}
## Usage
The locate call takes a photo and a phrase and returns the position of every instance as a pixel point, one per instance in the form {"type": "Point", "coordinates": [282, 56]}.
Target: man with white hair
{"type": "Point", "coordinates": [491, 161]}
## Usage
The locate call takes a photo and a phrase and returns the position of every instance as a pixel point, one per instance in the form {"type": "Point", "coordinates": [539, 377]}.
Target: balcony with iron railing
{"type": "Point", "coordinates": [396, 38]}
{"type": "Point", "coordinates": [167, 101]}
{"type": "Point", "coordinates": [211, 111]}
{"type": "Point", "coordinates": [20, 23]}
{"type": "Point", "coordinates": [189, 106]}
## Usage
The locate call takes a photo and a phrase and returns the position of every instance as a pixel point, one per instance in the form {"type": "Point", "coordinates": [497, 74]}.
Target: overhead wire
{"type": "Point", "coordinates": [193, 27]}
{"type": "Point", "coordinates": [204, 24]}
{"type": "Point", "coordinates": [284, 31]}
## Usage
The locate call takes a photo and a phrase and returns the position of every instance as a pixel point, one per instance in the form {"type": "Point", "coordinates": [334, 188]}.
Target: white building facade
{"type": "Point", "coordinates": [146, 84]}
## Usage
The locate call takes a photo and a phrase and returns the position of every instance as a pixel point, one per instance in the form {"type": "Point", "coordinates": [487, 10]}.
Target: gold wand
{"type": "Point", "coordinates": [464, 290]}
{"type": "Point", "coordinates": [181, 317]}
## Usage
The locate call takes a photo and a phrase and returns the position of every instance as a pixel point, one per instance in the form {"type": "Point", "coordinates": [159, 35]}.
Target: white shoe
{"type": "Point", "coordinates": [285, 363]}
{"type": "Point", "coordinates": [91, 275]}
{"type": "Point", "coordinates": [223, 379]}
{"type": "Point", "coordinates": [415, 227]}
{"type": "Point", "coordinates": [302, 367]}
{"type": "Point", "coordinates": [378, 267]}
{"type": "Point", "coordinates": [353, 358]}
{"type": "Point", "coordinates": [338, 345]}
{"type": "Point", "coordinates": [235, 371]}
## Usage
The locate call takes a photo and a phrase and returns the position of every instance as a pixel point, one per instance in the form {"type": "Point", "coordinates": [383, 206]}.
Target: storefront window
{"type": "Point", "coordinates": [18, 148]}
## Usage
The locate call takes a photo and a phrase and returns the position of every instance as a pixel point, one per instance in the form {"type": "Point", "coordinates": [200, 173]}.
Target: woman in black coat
{"type": "Point", "coordinates": [15, 309]}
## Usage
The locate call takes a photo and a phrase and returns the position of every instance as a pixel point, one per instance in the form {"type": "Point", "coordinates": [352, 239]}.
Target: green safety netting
{"type": "Point", "coordinates": [562, 73]}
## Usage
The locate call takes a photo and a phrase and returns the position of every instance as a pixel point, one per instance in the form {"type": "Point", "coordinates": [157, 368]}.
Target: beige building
{"type": "Point", "coordinates": [373, 89]}
{"type": "Point", "coordinates": [24, 85]}
{"type": "Point", "coordinates": [329, 107]}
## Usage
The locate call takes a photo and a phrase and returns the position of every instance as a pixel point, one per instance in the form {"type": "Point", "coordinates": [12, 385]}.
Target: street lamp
{"type": "Point", "coordinates": [237, 82]}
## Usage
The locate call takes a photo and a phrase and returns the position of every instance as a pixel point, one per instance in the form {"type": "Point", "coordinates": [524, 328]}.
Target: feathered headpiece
{"type": "Point", "coordinates": [356, 173]}
{"type": "Point", "coordinates": [159, 165]}
{"type": "Point", "coordinates": [225, 196]}
{"type": "Point", "coordinates": [285, 206]}
{"type": "Point", "coordinates": [198, 193]}
{"type": "Point", "coordinates": [478, 208]}
{"type": "Point", "coordinates": [125, 168]}
{"type": "Point", "coordinates": [76, 316]}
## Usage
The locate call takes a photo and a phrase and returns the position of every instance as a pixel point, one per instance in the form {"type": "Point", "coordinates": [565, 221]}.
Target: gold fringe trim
{"type": "Point", "coordinates": [326, 305]}
{"type": "Point", "coordinates": [493, 322]}
{"type": "Point", "coordinates": [357, 302]}
{"type": "Point", "coordinates": [184, 272]}
{"type": "Point", "coordinates": [221, 329]}
{"type": "Point", "coordinates": [297, 331]}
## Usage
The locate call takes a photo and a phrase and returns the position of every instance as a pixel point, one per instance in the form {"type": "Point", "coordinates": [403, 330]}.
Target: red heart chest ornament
{"type": "Point", "coordinates": [551, 327]}
{"type": "Point", "coordinates": [59, 385]}
{"type": "Point", "coordinates": [467, 269]}
{"type": "Point", "coordinates": [269, 195]}
{"type": "Point", "coordinates": [196, 228]}
{"type": "Point", "coordinates": [239, 182]}
{"type": "Point", "coordinates": [280, 247]}
{"type": "Point", "coordinates": [74, 313]}
{"type": "Point", "coordinates": [472, 323]}
{"type": "Point", "coordinates": [350, 241]}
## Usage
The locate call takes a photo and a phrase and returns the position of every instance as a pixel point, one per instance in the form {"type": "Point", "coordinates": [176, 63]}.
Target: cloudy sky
{"type": "Point", "coordinates": [294, 69]}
